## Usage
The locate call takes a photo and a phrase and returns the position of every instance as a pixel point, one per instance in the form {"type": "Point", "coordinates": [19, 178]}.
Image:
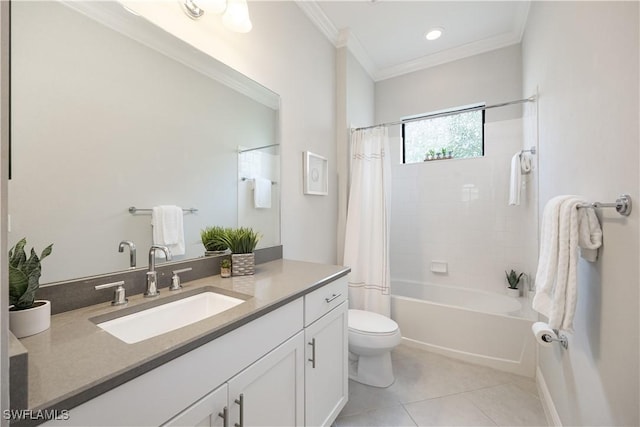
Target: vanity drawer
{"type": "Point", "coordinates": [324, 299]}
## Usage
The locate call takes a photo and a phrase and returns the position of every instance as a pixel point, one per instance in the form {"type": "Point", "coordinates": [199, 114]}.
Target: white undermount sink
{"type": "Point", "coordinates": [164, 318]}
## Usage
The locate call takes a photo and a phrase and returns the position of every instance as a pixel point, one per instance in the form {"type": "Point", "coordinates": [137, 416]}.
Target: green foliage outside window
{"type": "Point", "coordinates": [460, 134]}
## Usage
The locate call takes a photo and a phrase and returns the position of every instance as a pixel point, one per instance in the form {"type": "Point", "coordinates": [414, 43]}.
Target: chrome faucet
{"type": "Point", "coordinates": [132, 251]}
{"type": "Point", "coordinates": [152, 274]}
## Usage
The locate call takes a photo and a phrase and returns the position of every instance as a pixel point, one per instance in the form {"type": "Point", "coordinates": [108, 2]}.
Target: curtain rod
{"type": "Point", "coordinates": [450, 113]}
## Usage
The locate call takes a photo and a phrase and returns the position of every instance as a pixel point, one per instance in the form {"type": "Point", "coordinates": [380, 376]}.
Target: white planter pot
{"type": "Point", "coordinates": [30, 321]}
{"type": "Point", "coordinates": [515, 293]}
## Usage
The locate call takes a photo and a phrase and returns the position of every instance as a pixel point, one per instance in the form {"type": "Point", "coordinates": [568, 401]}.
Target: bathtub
{"type": "Point", "coordinates": [475, 326]}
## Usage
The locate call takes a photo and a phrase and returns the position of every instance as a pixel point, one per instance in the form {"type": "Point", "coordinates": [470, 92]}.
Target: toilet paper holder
{"type": "Point", "coordinates": [562, 339]}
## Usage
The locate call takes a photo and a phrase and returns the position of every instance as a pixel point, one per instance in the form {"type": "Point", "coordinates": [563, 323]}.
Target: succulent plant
{"type": "Point", "coordinates": [513, 278]}
{"type": "Point", "coordinates": [24, 274]}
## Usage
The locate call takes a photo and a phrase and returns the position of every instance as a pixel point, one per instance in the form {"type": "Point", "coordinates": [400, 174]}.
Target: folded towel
{"type": "Point", "coordinates": [564, 227]}
{"type": "Point", "coordinates": [168, 229]}
{"type": "Point", "coordinates": [515, 181]}
{"type": "Point", "coordinates": [261, 193]}
{"type": "Point", "coordinates": [590, 234]}
{"type": "Point", "coordinates": [521, 164]}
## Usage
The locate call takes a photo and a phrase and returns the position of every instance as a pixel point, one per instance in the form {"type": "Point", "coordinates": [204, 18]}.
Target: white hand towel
{"type": "Point", "coordinates": [525, 163]}
{"type": "Point", "coordinates": [515, 181]}
{"type": "Point", "coordinates": [168, 229]}
{"type": "Point", "coordinates": [590, 234]}
{"type": "Point", "coordinates": [261, 193]}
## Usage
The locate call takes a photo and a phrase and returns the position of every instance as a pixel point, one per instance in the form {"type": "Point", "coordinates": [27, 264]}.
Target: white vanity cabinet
{"type": "Point", "coordinates": [210, 411]}
{"type": "Point", "coordinates": [288, 367]}
{"type": "Point", "coordinates": [326, 368]}
{"type": "Point", "coordinates": [270, 392]}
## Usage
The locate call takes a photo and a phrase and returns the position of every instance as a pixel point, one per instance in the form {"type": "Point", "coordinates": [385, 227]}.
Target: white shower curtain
{"type": "Point", "coordinates": [366, 248]}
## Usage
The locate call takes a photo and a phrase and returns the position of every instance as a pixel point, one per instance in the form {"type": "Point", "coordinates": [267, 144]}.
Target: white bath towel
{"type": "Point", "coordinates": [556, 279]}
{"type": "Point", "coordinates": [168, 229]}
{"type": "Point", "coordinates": [515, 182]}
{"type": "Point", "coordinates": [261, 193]}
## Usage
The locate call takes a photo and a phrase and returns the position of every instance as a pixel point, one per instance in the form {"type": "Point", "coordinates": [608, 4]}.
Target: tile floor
{"type": "Point", "coordinates": [433, 390]}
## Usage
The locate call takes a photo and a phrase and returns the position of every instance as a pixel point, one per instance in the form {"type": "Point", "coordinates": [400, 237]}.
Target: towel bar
{"type": "Point", "coordinates": [244, 178]}
{"type": "Point", "coordinates": [531, 150]}
{"type": "Point", "coordinates": [622, 205]}
{"type": "Point", "coordinates": [133, 210]}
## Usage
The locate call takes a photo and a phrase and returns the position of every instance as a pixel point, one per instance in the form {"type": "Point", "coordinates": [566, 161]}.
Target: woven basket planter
{"type": "Point", "coordinates": [243, 264]}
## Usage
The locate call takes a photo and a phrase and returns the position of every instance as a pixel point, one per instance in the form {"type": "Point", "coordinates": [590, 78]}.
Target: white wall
{"type": "Point", "coordinates": [584, 58]}
{"type": "Point", "coordinates": [355, 108]}
{"type": "Point", "coordinates": [456, 210]}
{"type": "Point", "coordinates": [490, 77]}
{"type": "Point", "coordinates": [286, 53]}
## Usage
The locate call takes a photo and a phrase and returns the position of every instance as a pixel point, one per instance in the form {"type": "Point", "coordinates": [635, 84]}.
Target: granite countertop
{"type": "Point", "coordinates": [75, 360]}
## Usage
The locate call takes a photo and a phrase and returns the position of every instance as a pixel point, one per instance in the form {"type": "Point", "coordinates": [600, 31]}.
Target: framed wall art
{"type": "Point", "coordinates": [315, 174]}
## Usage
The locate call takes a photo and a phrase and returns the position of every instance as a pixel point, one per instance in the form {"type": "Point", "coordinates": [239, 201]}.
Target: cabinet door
{"type": "Point", "coordinates": [270, 392]}
{"type": "Point", "coordinates": [326, 367]}
{"type": "Point", "coordinates": [209, 411]}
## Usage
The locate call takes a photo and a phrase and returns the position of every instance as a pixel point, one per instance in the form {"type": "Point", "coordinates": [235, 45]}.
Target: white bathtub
{"type": "Point", "coordinates": [475, 326]}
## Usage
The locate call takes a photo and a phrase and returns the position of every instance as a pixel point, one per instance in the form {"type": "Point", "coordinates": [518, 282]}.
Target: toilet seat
{"type": "Point", "coordinates": [369, 323]}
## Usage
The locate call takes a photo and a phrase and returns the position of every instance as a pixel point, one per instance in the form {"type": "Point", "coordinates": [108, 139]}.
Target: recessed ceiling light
{"type": "Point", "coordinates": [434, 33]}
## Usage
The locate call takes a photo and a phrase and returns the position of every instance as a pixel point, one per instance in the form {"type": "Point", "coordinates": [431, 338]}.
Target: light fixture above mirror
{"type": "Point", "coordinates": [236, 12]}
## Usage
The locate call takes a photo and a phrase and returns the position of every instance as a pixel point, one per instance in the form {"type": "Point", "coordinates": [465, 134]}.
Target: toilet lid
{"type": "Point", "coordinates": [368, 321]}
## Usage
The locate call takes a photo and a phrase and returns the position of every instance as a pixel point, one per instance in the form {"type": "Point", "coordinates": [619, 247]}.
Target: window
{"type": "Point", "coordinates": [458, 135]}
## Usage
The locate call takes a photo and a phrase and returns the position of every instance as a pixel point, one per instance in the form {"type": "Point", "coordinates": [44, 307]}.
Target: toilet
{"type": "Point", "coordinates": [372, 336]}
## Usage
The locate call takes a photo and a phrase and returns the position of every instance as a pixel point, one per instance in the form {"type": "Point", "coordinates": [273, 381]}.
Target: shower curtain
{"type": "Point", "coordinates": [366, 248]}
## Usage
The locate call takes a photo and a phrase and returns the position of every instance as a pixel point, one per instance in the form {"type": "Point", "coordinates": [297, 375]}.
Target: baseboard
{"type": "Point", "coordinates": [553, 418]}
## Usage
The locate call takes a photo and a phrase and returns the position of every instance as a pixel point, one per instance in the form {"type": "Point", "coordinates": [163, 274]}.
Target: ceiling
{"type": "Point", "coordinates": [387, 36]}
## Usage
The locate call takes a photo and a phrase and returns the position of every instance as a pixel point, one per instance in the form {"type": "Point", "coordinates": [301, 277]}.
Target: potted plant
{"type": "Point", "coordinates": [431, 154]}
{"type": "Point", "coordinates": [242, 242]}
{"type": "Point", "coordinates": [513, 279]}
{"type": "Point", "coordinates": [225, 268]}
{"type": "Point", "coordinates": [27, 316]}
{"type": "Point", "coordinates": [213, 240]}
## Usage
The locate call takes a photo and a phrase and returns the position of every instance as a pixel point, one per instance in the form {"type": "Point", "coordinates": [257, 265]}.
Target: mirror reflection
{"type": "Point", "coordinates": [106, 117]}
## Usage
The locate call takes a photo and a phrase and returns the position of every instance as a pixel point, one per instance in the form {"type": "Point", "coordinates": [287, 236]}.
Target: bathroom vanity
{"type": "Point", "coordinates": [278, 358]}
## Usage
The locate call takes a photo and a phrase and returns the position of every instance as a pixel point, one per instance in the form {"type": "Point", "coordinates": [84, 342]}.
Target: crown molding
{"type": "Point", "coordinates": [352, 43]}
{"type": "Point", "coordinates": [320, 19]}
{"type": "Point", "coordinates": [448, 55]}
{"type": "Point", "coordinates": [345, 38]}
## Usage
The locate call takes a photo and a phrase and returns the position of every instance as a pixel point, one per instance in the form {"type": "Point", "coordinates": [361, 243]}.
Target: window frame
{"type": "Point", "coordinates": [453, 111]}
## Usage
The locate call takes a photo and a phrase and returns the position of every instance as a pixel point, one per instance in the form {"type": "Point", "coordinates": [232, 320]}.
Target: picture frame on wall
{"type": "Point", "coordinates": [315, 174]}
